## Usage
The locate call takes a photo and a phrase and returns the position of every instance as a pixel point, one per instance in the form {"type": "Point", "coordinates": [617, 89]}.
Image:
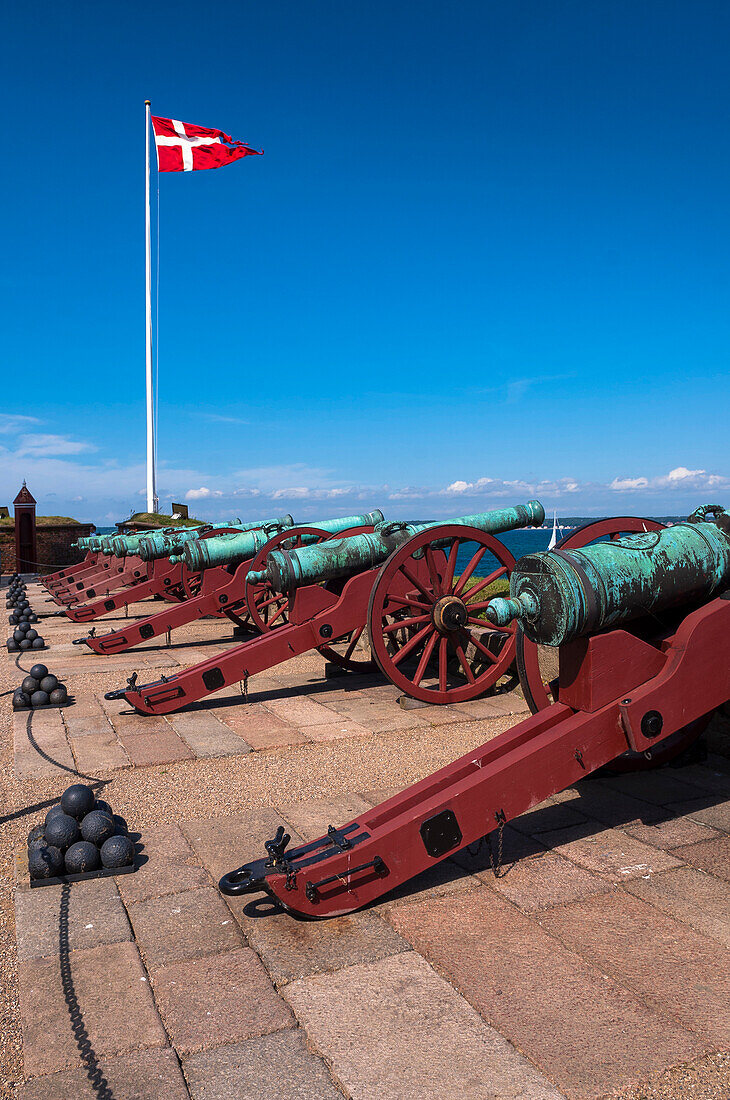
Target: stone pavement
{"type": "Point", "coordinates": [293, 704]}
{"type": "Point", "coordinates": [594, 963]}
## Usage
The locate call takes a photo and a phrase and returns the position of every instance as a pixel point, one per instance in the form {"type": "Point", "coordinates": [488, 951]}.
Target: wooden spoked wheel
{"type": "Point", "coordinates": [537, 665]}
{"type": "Point", "coordinates": [426, 615]}
{"type": "Point", "coordinates": [267, 608]}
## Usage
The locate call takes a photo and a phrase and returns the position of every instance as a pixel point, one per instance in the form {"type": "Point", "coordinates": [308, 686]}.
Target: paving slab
{"type": "Point", "coordinates": [611, 853]}
{"type": "Point", "coordinates": [672, 833]}
{"type": "Point", "coordinates": [482, 857]}
{"type": "Point", "coordinates": [206, 736]}
{"type": "Point", "coordinates": [493, 706]}
{"type": "Point", "coordinates": [40, 745]}
{"type": "Point", "coordinates": [664, 962]}
{"type": "Point", "coordinates": [379, 716]}
{"type": "Point", "coordinates": [224, 843]}
{"type": "Point", "coordinates": [85, 723]}
{"type": "Point", "coordinates": [170, 866]}
{"type": "Point", "coordinates": [299, 711]}
{"type": "Point", "coordinates": [99, 752]}
{"type": "Point", "coordinates": [218, 999]}
{"type": "Point", "coordinates": [96, 915]}
{"type": "Point", "coordinates": [145, 749]}
{"type": "Point", "coordinates": [338, 730]}
{"type": "Point", "coordinates": [707, 777]}
{"type": "Point", "coordinates": [101, 986]}
{"type": "Point", "coordinates": [540, 883]}
{"type": "Point", "coordinates": [708, 810]}
{"type": "Point", "coordinates": [394, 1028]}
{"type": "Point", "coordinates": [694, 897]}
{"type": "Point", "coordinates": [611, 806]}
{"type": "Point", "coordinates": [278, 1066]}
{"type": "Point", "coordinates": [292, 949]}
{"type": "Point", "coordinates": [587, 1033]}
{"type": "Point", "coordinates": [143, 1075]}
{"type": "Point", "coordinates": [260, 728]}
{"type": "Point", "coordinates": [182, 926]}
{"type": "Point", "coordinates": [660, 786]}
{"type": "Point", "coordinates": [709, 855]}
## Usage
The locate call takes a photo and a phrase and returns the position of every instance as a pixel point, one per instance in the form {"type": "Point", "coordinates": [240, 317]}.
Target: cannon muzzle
{"type": "Point", "coordinates": [234, 548]}
{"type": "Point", "coordinates": [287, 570]}
{"type": "Point", "coordinates": [559, 595]}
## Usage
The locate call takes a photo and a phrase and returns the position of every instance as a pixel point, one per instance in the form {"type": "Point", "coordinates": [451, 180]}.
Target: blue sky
{"type": "Point", "coordinates": [484, 257]}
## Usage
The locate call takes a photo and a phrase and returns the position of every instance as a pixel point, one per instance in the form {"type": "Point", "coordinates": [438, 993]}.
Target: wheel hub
{"type": "Point", "coordinates": [449, 614]}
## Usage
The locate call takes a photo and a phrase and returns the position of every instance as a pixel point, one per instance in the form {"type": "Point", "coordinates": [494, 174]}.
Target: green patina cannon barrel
{"type": "Point", "coordinates": [287, 570]}
{"type": "Point", "coordinates": [234, 548]}
{"type": "Point", "coordinates": [559, 595]}
{"type": "Point", "coordinates": [164, 545]}
{"type": "Point", "coordinates": [122, 545]}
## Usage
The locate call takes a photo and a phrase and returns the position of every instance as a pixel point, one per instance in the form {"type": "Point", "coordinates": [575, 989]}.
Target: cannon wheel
{"type": "Point", "coordinates": [539, 694]}
{"type": "Point", "coordinates": [269, 609]}
{"type": "Point", "coordinates": [425, 627]}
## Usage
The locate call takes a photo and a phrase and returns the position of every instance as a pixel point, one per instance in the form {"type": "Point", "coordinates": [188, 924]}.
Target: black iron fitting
{"type": "Point", "coordinates": [339, 840]}
{"type": "Point", "coordinates": [311, 889]}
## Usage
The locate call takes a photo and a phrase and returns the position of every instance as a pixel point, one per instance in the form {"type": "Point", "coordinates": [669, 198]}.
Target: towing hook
{"type": "Point", "coordinates": [118, 694]}
{"type": "Point", "coordinates": [242, 881]}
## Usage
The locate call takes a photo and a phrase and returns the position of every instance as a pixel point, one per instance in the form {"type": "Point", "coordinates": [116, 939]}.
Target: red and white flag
{"type": "Point", "coordinates": [182, 147]}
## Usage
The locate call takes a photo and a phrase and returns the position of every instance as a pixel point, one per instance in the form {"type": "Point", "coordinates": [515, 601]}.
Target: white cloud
{"type": "Point", "coordinates": [682, 473]}
{"type": "Point", "coordinates": [14, 422]}
{"type": "Point", "coordinates": [202, 493]}
{"type": "Point", "coordinates": [38, 446]}
{"type": "Point", "coordinates": [623, 483]}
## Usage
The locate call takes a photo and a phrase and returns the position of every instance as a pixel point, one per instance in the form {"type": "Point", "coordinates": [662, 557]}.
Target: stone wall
{"type": "Point", "coordinates": [53, 542]}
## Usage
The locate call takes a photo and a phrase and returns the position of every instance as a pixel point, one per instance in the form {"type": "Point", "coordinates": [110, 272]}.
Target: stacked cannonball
{"type": "Point", "coordinates": [22, 619]}
{"type": "Point", "coordinates": [79, 835]}
{"type": "Point", "coordinates": [40, 688]}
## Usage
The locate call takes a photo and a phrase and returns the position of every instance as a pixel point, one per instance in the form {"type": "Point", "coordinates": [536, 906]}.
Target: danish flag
{"type": "Point", "coordinates": [182, 147]}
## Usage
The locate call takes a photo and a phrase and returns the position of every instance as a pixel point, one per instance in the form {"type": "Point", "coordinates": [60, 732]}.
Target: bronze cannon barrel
{"type": "Point", "coordinates": [287, 570]}
{"type": "Point", "coordinates": [162, 545]}
{"type": "Point", "coordinates": [234, 548]}
{"type": "Point", "coordinates": [559, 595]}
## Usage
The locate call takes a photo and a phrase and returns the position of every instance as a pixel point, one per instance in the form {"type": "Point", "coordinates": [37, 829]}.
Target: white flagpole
{"type": "Point", "coordinates": [152, 501]}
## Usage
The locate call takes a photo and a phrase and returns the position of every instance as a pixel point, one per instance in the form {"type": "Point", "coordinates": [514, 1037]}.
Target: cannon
{"type": "Point", "coordinates": [224, 590]}
{"type": "Point", "coordinates": [641, 624]}
{"type": "Point", "coordinates": [400, 582]}
{"type": "Point", "coordinates": [159, 577]}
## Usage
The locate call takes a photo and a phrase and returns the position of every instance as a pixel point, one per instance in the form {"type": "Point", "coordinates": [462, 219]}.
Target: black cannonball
{"type": "Point", "coordinates": [35, 832]}
{"type": "Point", "coordinates": [53, 812]}
{"type": "Point", "coordinates": [30, 684]}
{"type": "Point", "coordinates": [39, 842]}
{"type": "Point", "coordinates": [49, 682]}
{"type": "Point", "coordinates": [18, 635]}
{"type": "Point", "coordinates": [23, 628]}
{"type": "Point", "coordinates": [97, 827]}
{"type": "Point", "coordinates": [12, 645]}
{"type": "Point", "coordinates": [59, 696]}
{"type": "Point", "coordinates": [104, 808]}
{"type": "Point", "coordinates": [82, 856]}
{"type": "Point", "coordinates": [25, 644]}
{"type": "Point", "coordinates": [38, 643]}
{"type": "Point", "coordinates": [38, 698]}
{"type": "Point", "coordinates": [21, 700]}
{"type": "Point", "coordinates": [77, 800]}
{"type": "Point", "coordinates": [38, 672]}
{"type": "Point", "coordinates": [62, 831]}
{"type": "Point", "coordinates": [31, 635]}
{"type": "Point", "coordinates": [22, 604]}
{"type": "Point", "coordinates": [14, 619]}
{"type": "Point", "coordinates": [117, 851]}
{"type": "Point", "coordinates": [32, 618]}
{"type": "Point", "coordinates": [45, 862]}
